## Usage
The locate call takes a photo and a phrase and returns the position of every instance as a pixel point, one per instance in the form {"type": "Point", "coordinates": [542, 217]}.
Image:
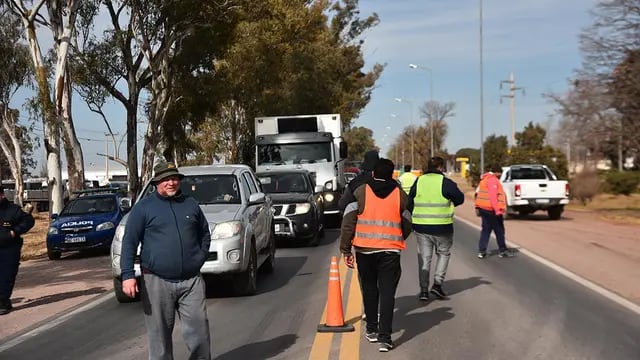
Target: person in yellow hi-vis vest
{"type": "Point", "coordinates": [407, 179]}
{"type": "Point", "coordinates": [431, 200]}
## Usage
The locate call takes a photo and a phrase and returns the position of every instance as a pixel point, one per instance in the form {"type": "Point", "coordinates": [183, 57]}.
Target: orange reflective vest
{"type": "Point", "coordinates": [380, 224]}
{"type": "Point", "coordinates": [483, 200]}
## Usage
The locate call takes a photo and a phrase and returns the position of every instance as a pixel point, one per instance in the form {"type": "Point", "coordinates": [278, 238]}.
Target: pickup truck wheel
{"type": "Point", "coordinates": [245, 283]}
{"type": "Point", "coordinates": [269, 264]}
{"type": "Point", "coordinates": [53, 255]}
{"type": "Point", "coordinates": [120, 295]}
{"type": "Point", "coordinates": [555, 212]}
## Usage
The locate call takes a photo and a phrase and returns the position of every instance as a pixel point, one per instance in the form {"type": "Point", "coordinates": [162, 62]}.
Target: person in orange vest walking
{"type": "Point", "coordinates": [491, 205]}
{"type": "Point", "coordinates": [376, 226]}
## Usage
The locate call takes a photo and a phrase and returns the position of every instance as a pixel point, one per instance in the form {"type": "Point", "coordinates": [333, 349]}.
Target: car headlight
{"type": "Point", "coordinates": [105, 226]}
{"type": "Point", "coordinates": [53, 230]}
{"type": "Point", "coordinates": [302, 208]}
{"type": "Point", "coordinates": [328, 197]}
{"type": "Point", "coordinates": [226, 230]}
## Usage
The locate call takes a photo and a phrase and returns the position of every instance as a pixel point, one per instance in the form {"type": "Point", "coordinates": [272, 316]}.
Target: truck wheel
{"type": "Point", "coordinates": [120, 295]}
{"type": "Point", "coordinates": [245, 283]}
{"type": "Point", "coordinates": [555, 212]}
{"type": "Point", "coordinates": [53, 255]}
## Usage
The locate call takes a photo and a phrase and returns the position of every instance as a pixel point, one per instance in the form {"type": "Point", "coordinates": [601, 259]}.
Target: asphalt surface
{"type": "Point", "coordinates": [498, 309]}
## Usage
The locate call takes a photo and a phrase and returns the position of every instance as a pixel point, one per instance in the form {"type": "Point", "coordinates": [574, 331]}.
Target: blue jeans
{"type": "Point", "coordinates": [491, 222]}
{"type": "Point", "coordinates": [426, 244]}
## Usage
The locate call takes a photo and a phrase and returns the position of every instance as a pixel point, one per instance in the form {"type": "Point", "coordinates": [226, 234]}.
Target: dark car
{"type": "Point", "coordinates": [87, 222]}
{"type": "Point", "coordinates": [297, 202]}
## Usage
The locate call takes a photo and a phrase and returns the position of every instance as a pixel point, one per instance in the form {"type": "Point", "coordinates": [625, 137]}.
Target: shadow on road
{"type": "Point", "coordinates": [456, 286]}
{"type": "Point", "coordinates": [267, 349]}
{"type": "Point", "coordinates": [416, 323]}
{"type": "Point", "coordinates": [48, 299]}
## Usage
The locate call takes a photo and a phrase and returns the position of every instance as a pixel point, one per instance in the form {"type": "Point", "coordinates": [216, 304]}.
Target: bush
{"type": "Point", "coordinates": [623, 183]}
{"type": "Point", "coordinates": [585, 185]}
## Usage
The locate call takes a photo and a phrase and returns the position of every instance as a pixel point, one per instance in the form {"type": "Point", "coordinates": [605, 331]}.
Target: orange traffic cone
{"type": "Point", "coordinates": [335, 316]}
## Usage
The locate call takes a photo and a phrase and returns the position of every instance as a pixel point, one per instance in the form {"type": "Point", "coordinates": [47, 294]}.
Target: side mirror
{"type": "Point", "coordinates": [328, 186]}
{"type": "Point", "coordinates": [343, 150]}
{"type": "Point", "coordinates": [125, 204]}
{"type": "Point", "coordinates": [318, 189]}
{"type": "Point", "coordinates": [257, 198]}
{"type": "Point", "coordinates": [54, 216]}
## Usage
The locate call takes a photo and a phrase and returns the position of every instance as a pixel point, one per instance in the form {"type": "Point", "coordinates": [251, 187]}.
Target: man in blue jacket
{"type": "Point", "coordinates": [174, 237]}
{"type": "Point", "coordinates": [432, 199]}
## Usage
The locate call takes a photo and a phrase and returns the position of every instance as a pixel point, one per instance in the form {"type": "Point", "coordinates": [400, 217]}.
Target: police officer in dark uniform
{"type": "Point", "coordinates": [13, 223]}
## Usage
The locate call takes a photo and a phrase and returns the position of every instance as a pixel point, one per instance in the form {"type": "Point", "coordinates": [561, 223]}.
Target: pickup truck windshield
{"type": "Point", "coordinates": [82, 206]}
{"type": "Point", "coordinates": [207, 189]}
{"type": "Point", "coordinates": [283, 183]}
{"type": "Point", "coordinates": [281, 154]}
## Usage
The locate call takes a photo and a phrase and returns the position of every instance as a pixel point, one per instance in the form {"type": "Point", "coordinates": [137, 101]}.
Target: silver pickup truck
{"type": "Point", "coordinates": [240, 219]}
{"type": "Point", "coordinates": [530, 188]}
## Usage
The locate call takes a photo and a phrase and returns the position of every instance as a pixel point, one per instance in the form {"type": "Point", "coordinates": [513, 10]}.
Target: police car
{"type": "Point", "coordinates": [87, 222]}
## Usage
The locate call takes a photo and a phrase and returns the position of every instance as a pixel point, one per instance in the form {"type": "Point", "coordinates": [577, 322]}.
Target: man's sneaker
{"type": "Point", "coordinates": [371, 337]}
{"type": "Point", "coordinates": [385, 346]}
{"type": "Point", "coordinates": [482, 255]}
{"type": "Point", "coordinates": [436, 289]}
{"type": "Point", "coordinates": [506, 254]}
{"type": "Point", "coordinates": [423, 296]}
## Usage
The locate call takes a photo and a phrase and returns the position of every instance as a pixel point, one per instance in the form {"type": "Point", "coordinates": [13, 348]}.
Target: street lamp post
{"type": "Point", "coordinates": [426, 68]}
{"type": "Point", "coordinates": [412, 130]}
{"type": "Point", "coordinates": [481, 96]}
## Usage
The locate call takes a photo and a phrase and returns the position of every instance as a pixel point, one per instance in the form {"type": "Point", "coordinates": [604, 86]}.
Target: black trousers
{"type": "Point", "coordinates": [9, 262]}
{"type": "Point", "coordinates": [491, 222]}
{"type": "Point", "coordinates": [379, 276]}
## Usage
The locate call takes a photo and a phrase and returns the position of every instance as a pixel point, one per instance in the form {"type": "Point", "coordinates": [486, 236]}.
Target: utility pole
{"type": "Point", "coordinates": [512, 101]}
{"type": "Point", "coordinates": [481, 91]}
{"type": "Point", "coordinates": [106, 151]}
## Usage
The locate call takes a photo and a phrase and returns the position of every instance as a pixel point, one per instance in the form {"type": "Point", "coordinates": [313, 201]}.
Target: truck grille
{"type": "Point", "coordinates": [286, 209]}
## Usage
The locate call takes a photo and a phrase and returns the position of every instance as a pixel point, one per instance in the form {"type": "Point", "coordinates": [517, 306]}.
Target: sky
{"type": "Point", "coordinates": [537, 40]}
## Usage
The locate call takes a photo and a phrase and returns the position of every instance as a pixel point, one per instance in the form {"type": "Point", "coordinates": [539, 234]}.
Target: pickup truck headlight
{"type": "Point", "coordinates": [105, 226]}
{"type": "Point", "coordinates": [226, 230]}
{"type": "Point", "coordinates": [53, 230]}
{"type": "Point", "coordinates": [302, 208]}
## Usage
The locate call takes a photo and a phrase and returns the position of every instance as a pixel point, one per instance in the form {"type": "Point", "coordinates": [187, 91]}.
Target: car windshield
{"type": "Point", "coordinates": [283, 183]}
{"type": "Point", "coordinates": [81, 206]}
{"type": "Point", "coordinates": [281, 154]}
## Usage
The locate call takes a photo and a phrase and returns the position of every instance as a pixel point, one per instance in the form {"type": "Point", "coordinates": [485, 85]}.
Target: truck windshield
{"type": "Point", "coordinates": [283, 183]}
{"type": "Point", "coordinates": [281, 154]}
{"type": "Point", "coordinates": [207, 189]}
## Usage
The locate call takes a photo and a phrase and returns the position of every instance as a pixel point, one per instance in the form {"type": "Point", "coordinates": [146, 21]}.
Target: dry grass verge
{"type": "Point", "coordinates": [35, 241]}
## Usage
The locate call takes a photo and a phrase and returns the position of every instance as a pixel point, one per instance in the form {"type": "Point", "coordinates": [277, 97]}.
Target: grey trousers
{"type": "Point", "coordinates": [426, 244]}
{"type": "Point", "coordinates": [161, 299]}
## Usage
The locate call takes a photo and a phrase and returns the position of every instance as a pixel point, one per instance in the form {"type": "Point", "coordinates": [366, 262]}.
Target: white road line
{"type": "Point", "coordinates": [55, 322]}
{"type": "Point", "coordinates": [569, 274]}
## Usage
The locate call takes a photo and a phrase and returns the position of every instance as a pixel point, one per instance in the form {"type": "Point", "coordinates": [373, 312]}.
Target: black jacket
{"type": "Point", "coordinates": [13, 218]}
{"type": "Point", "coordinates": [364, 177]}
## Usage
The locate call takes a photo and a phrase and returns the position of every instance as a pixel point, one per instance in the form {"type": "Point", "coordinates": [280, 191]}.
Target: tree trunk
{"type": "Point", "coordinates": [72, 148]}
{"type": "Point", "coordinates": [132, 146]}
{"type": "Point", "coordinates": [13, 157]}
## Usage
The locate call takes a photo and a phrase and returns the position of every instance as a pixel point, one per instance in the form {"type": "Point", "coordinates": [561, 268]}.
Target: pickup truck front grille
{"type": "Point", "coordinates": [286, 209]}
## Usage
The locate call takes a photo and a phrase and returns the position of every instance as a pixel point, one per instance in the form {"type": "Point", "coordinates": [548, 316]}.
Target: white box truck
{"type": "Point", "coordinates": [311, 142]}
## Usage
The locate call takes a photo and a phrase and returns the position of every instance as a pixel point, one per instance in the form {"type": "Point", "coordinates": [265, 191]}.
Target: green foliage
{"type": "Point", "coordinates": [585, 186]}
{"type": "Point", "coordinates": [622, 183]}
{"type": "Point", "coordinates": [531, 138]}
{"type": "Point", "coordinates": [359, 140]}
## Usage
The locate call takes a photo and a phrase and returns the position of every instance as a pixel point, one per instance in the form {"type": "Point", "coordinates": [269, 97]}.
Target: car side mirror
{"type": "Point", "coordinates": [125, 204]}
{"type": "Point", "coordinates": [319, 189]}
{"type": "Point", "coordinates": [257, 198]}
{"type": "Point", "coordinates": [54, 216]}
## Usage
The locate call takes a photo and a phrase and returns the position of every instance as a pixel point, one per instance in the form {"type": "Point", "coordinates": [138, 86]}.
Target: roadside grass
{"type": "Point", "coordinates": [35, 245]}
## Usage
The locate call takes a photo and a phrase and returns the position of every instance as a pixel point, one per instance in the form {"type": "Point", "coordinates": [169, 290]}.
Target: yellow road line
{"type": "Point", "coordinates": [322, 342]}
{"type": "Point", "coordinates": [350, 342]}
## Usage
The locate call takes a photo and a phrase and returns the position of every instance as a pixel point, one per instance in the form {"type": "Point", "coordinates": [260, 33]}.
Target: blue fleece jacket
{"type": "Point", "coordinates": [174, 234]}
{"type": "Point", "coordinates": [450, 191]}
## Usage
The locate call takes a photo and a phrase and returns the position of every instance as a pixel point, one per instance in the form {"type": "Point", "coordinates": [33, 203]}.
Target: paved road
{"type": "Point", "coordinates": [498, 309]}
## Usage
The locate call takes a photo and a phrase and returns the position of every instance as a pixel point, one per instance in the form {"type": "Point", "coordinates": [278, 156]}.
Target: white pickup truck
{"type": "Point", "coordinates": [530, 188]}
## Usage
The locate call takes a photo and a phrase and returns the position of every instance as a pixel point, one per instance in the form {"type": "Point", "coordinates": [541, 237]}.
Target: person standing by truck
{"type": "Point", "coordinates": [174, 237]}
{"type": "Point", "coordinates": [13, 223]}
{"type": "Point", "coordinates": [491, 205]}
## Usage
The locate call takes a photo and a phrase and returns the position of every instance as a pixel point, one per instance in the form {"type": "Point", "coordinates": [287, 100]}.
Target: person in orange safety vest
{"type": "Point", "coordinates": [376, 226]}
{"type": "Point", "coordinates": [491, 205]}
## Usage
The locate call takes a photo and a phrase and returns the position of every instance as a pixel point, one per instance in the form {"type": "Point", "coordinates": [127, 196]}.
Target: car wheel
{"type": "Point", "coordinates": [245, 283]}
{"type": "Point", "coordinates": [314, 240]}
{"type": "Point", "coordinates": [270, 264]}
{"type": "Point", "coordinates": [54, 255]}
{"type": "Point", "coordinates": [120, 295]}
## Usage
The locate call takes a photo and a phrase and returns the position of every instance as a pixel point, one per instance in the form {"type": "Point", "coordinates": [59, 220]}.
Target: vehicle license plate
{"type": "Point", "coordinates": [78, 239]}
{"type": "Point", "coordinates": [542, 201]}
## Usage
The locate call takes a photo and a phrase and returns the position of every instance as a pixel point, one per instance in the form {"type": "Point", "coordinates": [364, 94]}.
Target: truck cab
{"type": "Point", "coordinates": [310, 142]}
